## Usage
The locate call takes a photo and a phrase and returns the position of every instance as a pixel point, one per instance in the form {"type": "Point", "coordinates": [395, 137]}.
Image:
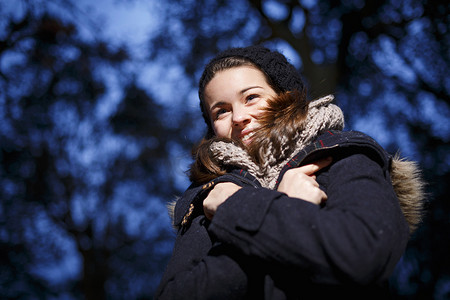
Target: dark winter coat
{"type": "Point", "coordinates": [262, 244]}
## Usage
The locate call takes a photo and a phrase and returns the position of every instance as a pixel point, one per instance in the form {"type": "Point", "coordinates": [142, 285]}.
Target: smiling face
{"type": "Point", "coordinates": [234, 98]}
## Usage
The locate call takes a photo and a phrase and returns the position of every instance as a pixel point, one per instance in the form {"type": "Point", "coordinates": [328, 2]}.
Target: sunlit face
{"type": "Point", "coordinates": [234, 98]}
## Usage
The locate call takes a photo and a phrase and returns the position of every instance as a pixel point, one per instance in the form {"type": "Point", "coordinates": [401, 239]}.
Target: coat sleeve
{"type": "Point", "coordinates": [199, 267]}
{"type": "Point", "coordinates": [358, 236]}
{"type": "Point", "coordinates": [199, 270]}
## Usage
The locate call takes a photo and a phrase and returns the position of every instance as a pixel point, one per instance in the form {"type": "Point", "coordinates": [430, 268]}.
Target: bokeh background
{"type": "Point", "coordinates": [99, 110]}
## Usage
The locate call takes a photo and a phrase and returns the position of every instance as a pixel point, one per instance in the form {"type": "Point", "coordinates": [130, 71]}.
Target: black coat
{"type": "Point", "coordinates": [262, 244]}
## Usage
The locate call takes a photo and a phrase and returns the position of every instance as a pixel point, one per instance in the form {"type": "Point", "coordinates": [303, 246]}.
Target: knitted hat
{"type": "Point", "coordinates": [283, 75]}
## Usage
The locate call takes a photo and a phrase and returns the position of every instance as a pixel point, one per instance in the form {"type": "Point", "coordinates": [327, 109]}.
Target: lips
{"type": "Point", "coordinates": [246, 135]}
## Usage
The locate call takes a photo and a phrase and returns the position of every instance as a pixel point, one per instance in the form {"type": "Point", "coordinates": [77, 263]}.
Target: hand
{"type": "Point", "coordinates": [301, 182]}
{"type": "Point", "coordinates": [217, 196]}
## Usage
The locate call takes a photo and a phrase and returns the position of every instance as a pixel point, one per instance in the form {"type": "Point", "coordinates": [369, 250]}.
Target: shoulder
{"type": "Point", "coordinates": [357, 149]}
{"type": "Point", "coordinates": [356, 142]}
{"type": "Point", "coordinates": [346, 139]}
{"type": "Point", "coordinates": [339, 143]}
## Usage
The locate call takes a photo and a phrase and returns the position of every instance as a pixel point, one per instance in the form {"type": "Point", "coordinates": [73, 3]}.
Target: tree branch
{"type": "Point", "coordinates": [315, 74]}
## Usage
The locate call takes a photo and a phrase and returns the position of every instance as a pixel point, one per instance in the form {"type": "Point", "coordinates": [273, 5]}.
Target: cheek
{"type": "Point", "coordinates": [222, 129]}
{"type": "Point", "coordinates": [259, 108]}
{"type": "Point", "coordinates": [263, 104]}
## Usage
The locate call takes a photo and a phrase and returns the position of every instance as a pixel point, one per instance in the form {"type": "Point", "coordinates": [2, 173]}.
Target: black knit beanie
{"type": "Point", "coordinates": [282, 74]}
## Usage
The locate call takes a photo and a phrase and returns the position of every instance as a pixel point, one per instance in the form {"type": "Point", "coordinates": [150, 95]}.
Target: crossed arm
{"type": "Point", "coordinates": [296, 183]}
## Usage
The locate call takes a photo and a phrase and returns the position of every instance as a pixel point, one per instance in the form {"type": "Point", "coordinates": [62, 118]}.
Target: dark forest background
{"type": "Point", "coordinates": [91, 152]}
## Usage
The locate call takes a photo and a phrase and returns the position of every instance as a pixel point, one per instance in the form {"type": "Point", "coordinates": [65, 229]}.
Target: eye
{"type": "Point", "coordinates": [219, 112]}
{"type": "Point", "coordinates": [251, 97]}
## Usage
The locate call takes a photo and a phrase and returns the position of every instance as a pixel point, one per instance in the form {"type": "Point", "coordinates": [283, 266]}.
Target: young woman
{"type": "Point", "coordinates": [284, 204]}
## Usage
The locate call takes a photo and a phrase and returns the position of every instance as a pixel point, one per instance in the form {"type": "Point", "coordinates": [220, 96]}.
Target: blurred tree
{"type": "Point", "coordinates": [388, 63]}
{"type": "Point", "coordinates": [80, 189]}
{"type": "Point", "coordinates": [83, 171]}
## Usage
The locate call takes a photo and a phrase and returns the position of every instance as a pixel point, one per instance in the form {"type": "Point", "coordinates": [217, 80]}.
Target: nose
{"type": "Point", "coordinates": [240, 117]}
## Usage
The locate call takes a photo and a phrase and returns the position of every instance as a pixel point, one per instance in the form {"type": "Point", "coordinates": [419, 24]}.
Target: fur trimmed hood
{"type": "Point", "coordinates": [409, 186]}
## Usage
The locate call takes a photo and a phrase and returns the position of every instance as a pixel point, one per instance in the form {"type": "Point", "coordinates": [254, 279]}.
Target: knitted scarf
{"type": "Point", "coordinates": [322, 115]}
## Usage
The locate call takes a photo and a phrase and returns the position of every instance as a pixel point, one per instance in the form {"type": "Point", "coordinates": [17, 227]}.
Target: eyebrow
{"type": "Point", "coordinates": [220, 103]}
{"type": "Point", "coordinates": [250, 87]}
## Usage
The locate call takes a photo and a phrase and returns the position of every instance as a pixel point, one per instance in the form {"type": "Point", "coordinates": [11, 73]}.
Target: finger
{"type": "Point", "coordinates": [207, 212]}
{"type": "Point", "coordinates": [324, 196]}
{"type": "Point", "coordinates": [309, 169]}
{"type": "Point", "coordinates": [324, 162]}
{"type": "Point", "coordinates": [208, 215]}
{"type": "Point", "coordinates": [314, 183]}
{"type": "Point", "coordinates": [312, 168]}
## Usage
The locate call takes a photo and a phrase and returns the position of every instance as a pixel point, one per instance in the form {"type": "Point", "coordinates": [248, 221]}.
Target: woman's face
{"type": "Point", "coordinates": [234, 98]}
